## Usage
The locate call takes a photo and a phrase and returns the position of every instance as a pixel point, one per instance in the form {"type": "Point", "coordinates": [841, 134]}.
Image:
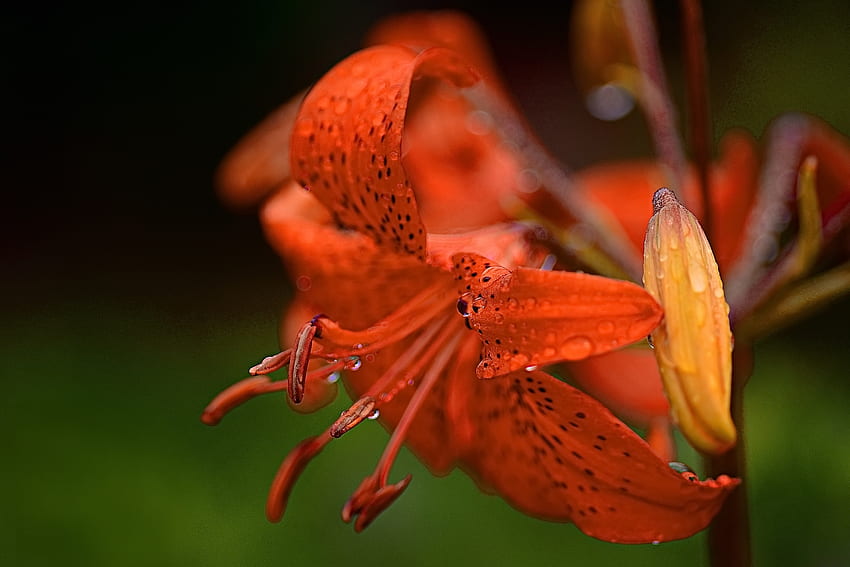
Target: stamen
{"type": "Point", "coordinates": [237, 394]}
{"type": "Point", "coordinates": [374, 495]}
{"type": "Point", "coordinates": [271, 363]}
{"type": "Point", "coordinates": [362, 408]}
{"type": "Point", "coordinates": [337, 342]}
{"type": "Point", "coordinates": [449, 343]}
{"type": "Point", "coordinates": [380, 501]}
{"type": "Point", "coordinates": [298, 361]}
{"type": "Point", "coordinates": [410, 363]}
{"type": "Point", "coordinates": [289, 471]}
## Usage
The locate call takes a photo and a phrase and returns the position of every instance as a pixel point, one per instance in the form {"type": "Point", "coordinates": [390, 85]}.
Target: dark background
{"type": "Point", "coordinates": [130, 295]}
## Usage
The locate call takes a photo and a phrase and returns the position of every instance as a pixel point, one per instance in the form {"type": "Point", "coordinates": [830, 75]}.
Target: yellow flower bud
{"type": "Point", "coordinates": [693, 343]}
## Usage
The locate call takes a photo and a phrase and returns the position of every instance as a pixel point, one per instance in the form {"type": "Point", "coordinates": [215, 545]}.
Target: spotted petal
{"type": "Point", "coordinates": [346, 145]}
{"type": "Point", "coordinates": [345, 273]}
{"type": "Point", "coordinates": [557, 454]}
{"type": "Point", "coordinates": [529, 317]}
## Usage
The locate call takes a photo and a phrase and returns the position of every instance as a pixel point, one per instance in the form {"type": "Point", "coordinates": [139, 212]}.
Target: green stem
{"type": "Point", "coordinates": [729, 533]}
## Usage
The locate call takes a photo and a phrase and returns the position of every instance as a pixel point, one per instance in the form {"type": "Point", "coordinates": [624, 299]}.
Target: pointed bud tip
{"type": "Point", "coordinates": [662, 198]}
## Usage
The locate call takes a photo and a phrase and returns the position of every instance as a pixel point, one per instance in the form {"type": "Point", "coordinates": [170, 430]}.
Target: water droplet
{"type": "Point", "coordinates": [303, 283]}
{"type": "Point", "coordinates": [605, 327]}
{"type": "Point", "coordinates": [305, 127]}
{"type": "Point", "coordinates": [333, 377]}
{"type": "Point", "coordinates": [353, 363]}
{"type": "Point", "coordinates": [609, 102]}
{"type": "Point", "coordinates": [378, 119]}
{"type": "Point", "coordinates": [478, 303]}
{"type": "Point", "coordinates": [341, 106]}
{"type": "Point", "coordinates": [479, 122]}
{"type": "Point", "coordinates": [485, 371]}
{"type": "Point", "coordinates": [650, 341]}
{"type": "Point", "coordinates": [355, 87]}
{"type": "Point", "coordinates": [498, 318]}
{"type": "Point", "coordinates": [464, 306]}
{"type": "Point", "coordinates": [323, 103]}
{"type": "Point", "coordinates": [576, 348]}
{"type": "Point", "coordinates": [374, 415]}
{"type": "Point", "coordinates": [531, 368]}
{"type": "Point", "coordinates": [656, 542]}
{"type": "Point", "coordinates": [528, 181]}
{"type": "Point", "coordinates": [512, 303]}
{"type": "Point", "coordinates": [679, 467]}
{"type": "Point", "coordinates": [698, 277]}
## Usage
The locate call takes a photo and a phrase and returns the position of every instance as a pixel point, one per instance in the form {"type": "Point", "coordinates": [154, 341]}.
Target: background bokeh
{"type": "Point", "coordinates": [131, 296]}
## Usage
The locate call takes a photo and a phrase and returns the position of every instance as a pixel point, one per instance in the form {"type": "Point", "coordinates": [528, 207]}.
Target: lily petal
{"type": "Point", "coordinates": [259, 162]}
{"type": "Point", "coordinates": [529, 317]}
{"type": "Point", "coordinates": [558, 454]}
{"type": "Point", "coordinates": [346, 145]}
{"type": "Point", "coordinates": [354, 280]}
{"type": "Point", "coordinates": [627, 381]}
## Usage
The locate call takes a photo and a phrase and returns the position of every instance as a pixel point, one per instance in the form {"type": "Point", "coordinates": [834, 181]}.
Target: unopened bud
{"type": "Point", "coordinates": [693, 343]}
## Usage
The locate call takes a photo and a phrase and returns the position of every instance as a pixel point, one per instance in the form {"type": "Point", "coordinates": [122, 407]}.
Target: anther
{"type": "Point", "coordinates": [359, 411]}
{"type": "Point", "coordinates": [289, 472]}
{"type": "Point", "coordinates": [298, 361]}
{"type": "Point", "coordinates": [237, 394]}
{"type": "Point", "coordinates": [380, 501]}
{"type": "Point", "coordinates": [271, 363]}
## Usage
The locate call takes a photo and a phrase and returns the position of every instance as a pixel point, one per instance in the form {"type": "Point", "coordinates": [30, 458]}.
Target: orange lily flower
{"type": "Point", "coordinates": [437, 309]}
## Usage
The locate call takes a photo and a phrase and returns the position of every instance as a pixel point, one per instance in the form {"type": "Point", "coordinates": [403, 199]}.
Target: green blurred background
{"type": "Point", "coordinates": [131, 296]}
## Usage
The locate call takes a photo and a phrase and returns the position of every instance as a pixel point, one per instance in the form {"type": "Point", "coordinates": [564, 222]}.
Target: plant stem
{"type": "Point", "coordinates": [729, 533]}
{"type": "Point", "coordinates": [696, 74]}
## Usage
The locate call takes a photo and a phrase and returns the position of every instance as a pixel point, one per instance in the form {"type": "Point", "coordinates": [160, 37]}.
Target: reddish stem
{"type": "Point", "coordinates": [729, 533]}
{"type": "Point", "coordinates": [696, 72]}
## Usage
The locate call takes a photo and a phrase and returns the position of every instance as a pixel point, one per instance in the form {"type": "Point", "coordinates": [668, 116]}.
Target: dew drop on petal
{"type": "Point", "coordinates": [485, 371]}
{"type": "Point", "coordinates": [374, 415]}
{"type": "Point", "coordinates": [605, 327]}
{"type": "Point", "coordinates": [303, 283]}
{"type": "Point", "coordinates": [680, 467]}
{"type": "Point", "coordinates": [305, 127]}
{"type": "Point", "coordinates": [531, 368]}
{"type": "Point", "coordinates": [333, 378]}
{"type": "Point", "coordinates": [464, 304]}
{"type": "Point", "coordinates": [341, 106]}
{"type": "Point", "coordinates": [478, 303]}
{"type": "Point", "coordinates": [576, 347]}
{"type": "Point", "coordinates": [355, 87]}
{"type": "Point", "coordinates": [353, 363]}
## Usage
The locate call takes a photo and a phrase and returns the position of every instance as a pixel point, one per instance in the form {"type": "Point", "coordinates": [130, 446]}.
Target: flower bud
{"type": "Point", "coordinates": [693, 343]}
